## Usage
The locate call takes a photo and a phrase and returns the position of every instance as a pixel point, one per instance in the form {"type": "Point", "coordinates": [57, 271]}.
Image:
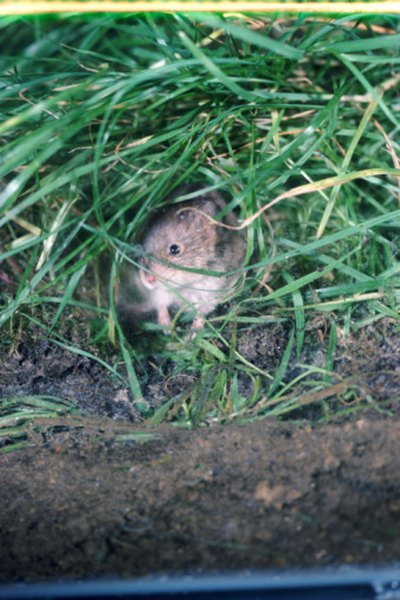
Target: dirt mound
{"type": "Point", "coordinates": [107, 496]}
{"type": "Point", "coordinates": [95, 500]}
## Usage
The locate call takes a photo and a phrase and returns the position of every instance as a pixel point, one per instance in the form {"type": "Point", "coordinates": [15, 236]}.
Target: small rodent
{"type": "Point", "coordinates": [182, 236]}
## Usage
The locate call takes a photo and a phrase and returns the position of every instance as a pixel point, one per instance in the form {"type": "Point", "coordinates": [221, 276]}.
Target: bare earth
{"type": "Point", "coordinates": [88, 499]}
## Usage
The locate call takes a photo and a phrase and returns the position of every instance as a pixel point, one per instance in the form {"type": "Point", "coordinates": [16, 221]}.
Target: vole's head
{"type": "Point", "coordinates": [180, 236]}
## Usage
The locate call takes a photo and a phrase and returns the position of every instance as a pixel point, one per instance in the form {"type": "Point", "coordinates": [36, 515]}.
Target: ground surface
{"type": "Point", "coordinates": [87, 496]}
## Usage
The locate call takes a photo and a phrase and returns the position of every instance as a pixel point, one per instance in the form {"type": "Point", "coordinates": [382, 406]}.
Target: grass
{"type": "Point", "coordinates": [298, 120]}
{"type": "Point", "coordinates": [17, 413]}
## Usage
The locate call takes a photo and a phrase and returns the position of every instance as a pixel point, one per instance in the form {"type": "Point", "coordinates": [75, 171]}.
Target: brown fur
{"type": "Point", "coordinates": [164, 282]}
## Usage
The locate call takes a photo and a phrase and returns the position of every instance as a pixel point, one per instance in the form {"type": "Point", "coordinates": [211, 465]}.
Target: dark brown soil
{"type": "Point", "coordinates": [109, 496]}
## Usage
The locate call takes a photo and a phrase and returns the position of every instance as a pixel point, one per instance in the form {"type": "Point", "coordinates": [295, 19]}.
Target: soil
{"type": "Point", "coordinates": [107, 494]}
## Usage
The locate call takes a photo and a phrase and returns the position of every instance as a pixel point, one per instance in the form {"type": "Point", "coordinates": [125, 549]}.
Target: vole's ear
{"type": "Point", "coordinates": [209, 208]}
{"type": "Point", "coordinates": [186, 214]}
{"type": "Point", "coordinates": [197, 216]}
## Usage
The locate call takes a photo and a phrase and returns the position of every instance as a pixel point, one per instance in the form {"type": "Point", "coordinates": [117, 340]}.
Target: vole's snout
{"type": "Point", "coordinates": [149, 278]}
{"type": "Point", "coordinates": [147, 274]}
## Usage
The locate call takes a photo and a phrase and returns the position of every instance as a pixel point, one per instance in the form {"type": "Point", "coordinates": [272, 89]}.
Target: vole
{"type": "Point", "coordinates": [180, 237]}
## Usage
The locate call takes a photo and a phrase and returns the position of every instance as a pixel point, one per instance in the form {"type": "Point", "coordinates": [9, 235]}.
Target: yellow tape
{"type": "Point", "coordinates": [20, 7]}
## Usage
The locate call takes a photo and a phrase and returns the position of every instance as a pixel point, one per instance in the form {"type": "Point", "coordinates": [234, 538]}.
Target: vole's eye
{"type": "Point", "coordinates": [174, 249]}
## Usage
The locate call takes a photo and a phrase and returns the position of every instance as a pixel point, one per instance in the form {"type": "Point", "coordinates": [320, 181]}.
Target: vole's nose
{"type": "Point", "coordinates": [149, 277]}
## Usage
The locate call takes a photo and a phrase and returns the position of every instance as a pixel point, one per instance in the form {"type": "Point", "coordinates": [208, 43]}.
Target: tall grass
{"type": "Point", "coordinates": [102, 117]}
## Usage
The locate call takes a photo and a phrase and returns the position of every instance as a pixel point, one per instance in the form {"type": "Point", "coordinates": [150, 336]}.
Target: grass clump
{"type": "Point", "coordinates": [18, 413]}
{"type": "Point", "coordinates": [297, 120]}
